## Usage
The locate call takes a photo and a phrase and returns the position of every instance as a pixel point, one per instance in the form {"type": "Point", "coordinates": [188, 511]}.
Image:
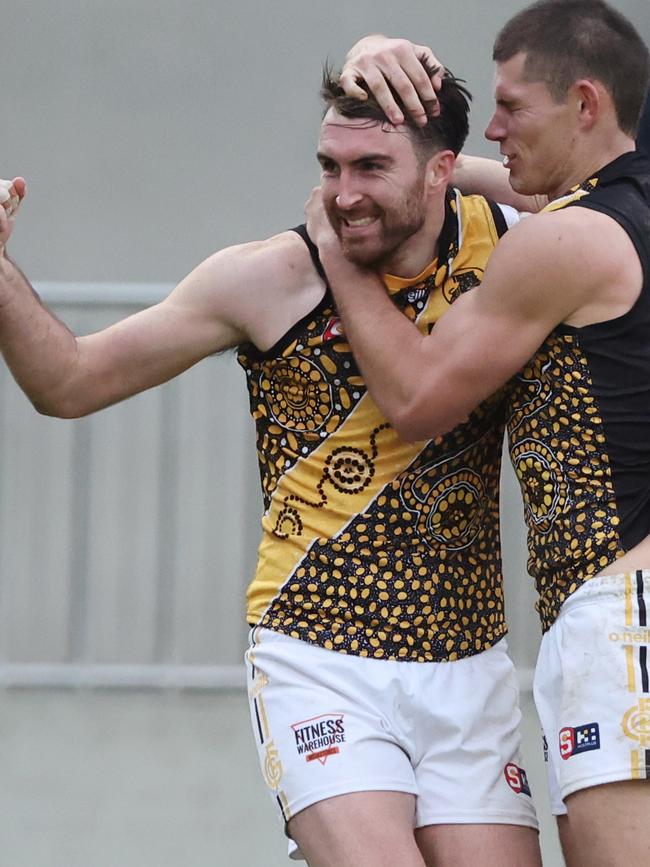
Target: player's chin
{"type": "Point", "coordinates": [523, 184]}
{"type": "Point", "coordinates": [363, 255]}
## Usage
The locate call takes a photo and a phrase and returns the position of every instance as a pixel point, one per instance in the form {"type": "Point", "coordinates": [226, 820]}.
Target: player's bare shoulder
{"type": "Point", "coordinates": [574, 265]}
{"type": "Point", "coordinates": [605, 261]}
{"type": "Point", "coordinates": [260, 287]}
{"type": "Point", "coordinates": [286, 262]}
{"type": "Point", "coordinates": [282, 286]}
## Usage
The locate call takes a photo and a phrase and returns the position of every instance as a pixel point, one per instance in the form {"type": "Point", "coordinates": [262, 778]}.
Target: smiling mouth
{"type": "Point", "coordinates": [359, 223]}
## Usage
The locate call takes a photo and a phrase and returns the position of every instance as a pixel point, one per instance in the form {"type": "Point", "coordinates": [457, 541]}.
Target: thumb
{"type": "Point", "coordinates": [19, 186]}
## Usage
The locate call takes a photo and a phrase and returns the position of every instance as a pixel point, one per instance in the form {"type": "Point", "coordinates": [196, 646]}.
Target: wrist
{"type": "Point", "coordinates": [8, 271]}
{"type": "Point", "coordinates": [329, 247]}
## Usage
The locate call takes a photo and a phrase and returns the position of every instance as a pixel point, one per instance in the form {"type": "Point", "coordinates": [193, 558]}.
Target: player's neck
{"type": "Point", "coordinates": [420, 249]}
{"type": "Point", "coordinates": [590, 160]}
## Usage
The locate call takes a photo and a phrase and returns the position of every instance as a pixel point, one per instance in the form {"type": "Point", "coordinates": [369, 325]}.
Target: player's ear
{"type": "Point", "coordinates": [440, 169]}
{"type": "Point", "coordinates": [588, 97]}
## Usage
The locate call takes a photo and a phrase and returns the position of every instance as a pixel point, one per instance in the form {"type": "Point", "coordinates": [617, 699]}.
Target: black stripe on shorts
{"type": "Point", "coordinates": [640, 600]}
{"type": "Point", "coordinates": [259, 724]}
{"type": "Point", "coordinates": [643, 663]}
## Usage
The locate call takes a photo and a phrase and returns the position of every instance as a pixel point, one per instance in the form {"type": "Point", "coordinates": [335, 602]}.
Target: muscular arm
{"type": "Point", "coordinates": [481, 176]}
{"type": "Point", "coordinates": [425, 385]}
{"type": "Point", "coordinates": [249, 292]}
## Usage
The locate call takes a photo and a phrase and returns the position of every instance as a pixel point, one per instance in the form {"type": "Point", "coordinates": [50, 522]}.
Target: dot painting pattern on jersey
{"type": "Point", "coordinates": [557, 447]}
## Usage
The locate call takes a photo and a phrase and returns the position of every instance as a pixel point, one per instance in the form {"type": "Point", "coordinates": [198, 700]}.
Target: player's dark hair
{"type": "Point", "coordinates": [566, 40]}
{"type": "Point", "coordinates": [446, 131]}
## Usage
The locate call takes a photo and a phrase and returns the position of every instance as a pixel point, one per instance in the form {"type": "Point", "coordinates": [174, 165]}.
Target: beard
{"type": "Point", "coordinates": [394, 226]}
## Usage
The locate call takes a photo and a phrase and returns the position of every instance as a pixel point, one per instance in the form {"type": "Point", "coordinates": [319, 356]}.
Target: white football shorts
{"type": "Point", "coordinates": [328, 723]}
{"type": "Point", "coordinates": [592, 686]}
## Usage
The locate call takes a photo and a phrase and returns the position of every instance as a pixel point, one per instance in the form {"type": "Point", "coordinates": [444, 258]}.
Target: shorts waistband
{"type": "Point", "coordinates": [638, 582]}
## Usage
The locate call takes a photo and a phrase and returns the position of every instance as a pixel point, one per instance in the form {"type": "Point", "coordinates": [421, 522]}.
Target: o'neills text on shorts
{"type": "Point", "coordinates": [631, 636]}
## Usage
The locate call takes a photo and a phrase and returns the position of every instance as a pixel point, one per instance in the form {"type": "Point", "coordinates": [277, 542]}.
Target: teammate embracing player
{"type": "Point", "coordinates": [563, 313]}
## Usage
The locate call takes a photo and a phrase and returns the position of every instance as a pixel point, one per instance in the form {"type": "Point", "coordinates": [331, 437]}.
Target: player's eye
{"type": "Point", "coordinates": [329, 167]}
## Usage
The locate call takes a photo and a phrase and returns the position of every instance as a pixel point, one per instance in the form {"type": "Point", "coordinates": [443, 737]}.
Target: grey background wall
{"type": "Point", "coordinates": [151, 133]}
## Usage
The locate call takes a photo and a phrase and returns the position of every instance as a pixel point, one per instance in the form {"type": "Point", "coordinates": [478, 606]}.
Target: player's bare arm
{"type": "Point", "coordinates": [425, 385]}
{"type": "Point", "coordinates": [484, 177]}
{"type": "Point", "coordinates": [244, 293]}
{"type": "Point", "coordinates": [249, 292]}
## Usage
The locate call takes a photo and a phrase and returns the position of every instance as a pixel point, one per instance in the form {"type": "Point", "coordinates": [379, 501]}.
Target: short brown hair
{"type": "Point", "coordinates": [565, 40]}
{"type": "Point", "coordinates": [446, 131]}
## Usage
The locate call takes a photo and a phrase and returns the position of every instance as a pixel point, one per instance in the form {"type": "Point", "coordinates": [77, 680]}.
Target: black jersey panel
{"type": "Point", "coordinates": [618, 350]}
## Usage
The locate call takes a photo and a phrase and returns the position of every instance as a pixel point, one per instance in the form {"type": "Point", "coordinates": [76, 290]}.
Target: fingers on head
{"type": "Point", "coordinates": [349, 82]}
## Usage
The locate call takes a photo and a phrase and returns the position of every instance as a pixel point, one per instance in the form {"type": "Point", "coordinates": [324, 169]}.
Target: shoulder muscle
{"type": "Point", "coordinates": [247, 288]}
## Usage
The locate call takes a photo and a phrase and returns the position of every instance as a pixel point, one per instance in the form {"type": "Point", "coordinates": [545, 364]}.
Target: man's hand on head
{"type": "Point", "coordinates": [380, 61]}
{"type": "Point", "coordinates": [11, 195]}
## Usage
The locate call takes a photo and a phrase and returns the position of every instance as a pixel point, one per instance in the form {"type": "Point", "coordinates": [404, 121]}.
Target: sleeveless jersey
{"type": "Point", "coordinates": [372, 546]}
{"type": "Point", "coordinates": [579, 423]}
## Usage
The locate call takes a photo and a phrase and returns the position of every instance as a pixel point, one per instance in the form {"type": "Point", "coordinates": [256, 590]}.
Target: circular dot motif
{"type": "Point", "coordinates": [298, 396]}
{"type": "Point", "coordinates": [451, 515]}
{"type": "Point", "coordinates": [542, 482]}
{"type": "Point", "coordinates": [350, 470]}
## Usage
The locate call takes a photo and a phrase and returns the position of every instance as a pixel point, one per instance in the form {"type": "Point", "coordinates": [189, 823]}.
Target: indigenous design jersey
{"type": "Point", "coordinates": [579, 425]}
{"type": "Point", "coordinates": [372, 546]}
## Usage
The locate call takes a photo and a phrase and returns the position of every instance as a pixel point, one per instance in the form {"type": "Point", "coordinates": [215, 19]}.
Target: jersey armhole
{"type": "Point", "coordinates": [313, 249]}
{"type": "Point", "coordinates": [504, 216]}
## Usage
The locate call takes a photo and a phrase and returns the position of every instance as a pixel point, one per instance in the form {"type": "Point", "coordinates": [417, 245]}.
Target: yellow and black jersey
{"type": "Point", "coordinates": [372, 546]}
{"type": "Point", "coordinates": [579, 418]}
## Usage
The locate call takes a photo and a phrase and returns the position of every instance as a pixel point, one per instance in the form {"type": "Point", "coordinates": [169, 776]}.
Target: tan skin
{"type": "Point", "coordinates": [492, 331]}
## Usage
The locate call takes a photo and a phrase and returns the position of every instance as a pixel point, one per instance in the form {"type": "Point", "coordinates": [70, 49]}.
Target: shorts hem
{"type": "Point", "coordinates": [622, 776]}
{"type": "Point", "coordinates": [482, 818]}
{"type": "Point", "coordinates": [315, 797]}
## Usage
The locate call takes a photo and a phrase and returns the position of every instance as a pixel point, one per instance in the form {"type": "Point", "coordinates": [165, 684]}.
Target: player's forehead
{"type": "Point", "coordinates": [511, 81]}
{"type": "Point", "coordinates": [350, 134]}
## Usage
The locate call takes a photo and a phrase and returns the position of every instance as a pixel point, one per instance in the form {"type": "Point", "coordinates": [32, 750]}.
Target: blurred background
{"type": "Point", "coordinates": [151, 133]}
